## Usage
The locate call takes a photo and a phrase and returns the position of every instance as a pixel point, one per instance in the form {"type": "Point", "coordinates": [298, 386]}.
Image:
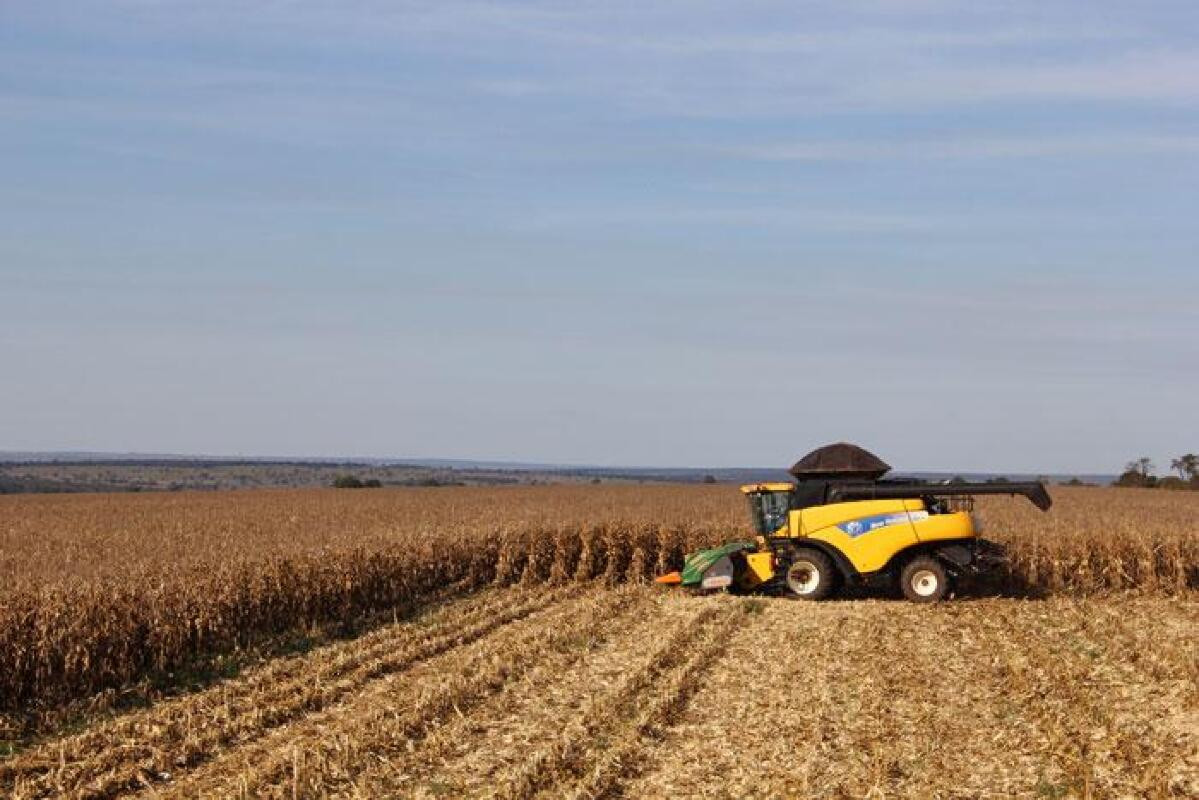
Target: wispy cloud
{"type": "Point", "coordinates": [1171, 74]}
{"type": "Point", "coordinates": [796, 220]}
{"type": "Point", "coordinates": [827, 41]}
{"type": "Point", "coordinates": [826, 81]}
{"type": "Point", "coordinates": [966, 147]}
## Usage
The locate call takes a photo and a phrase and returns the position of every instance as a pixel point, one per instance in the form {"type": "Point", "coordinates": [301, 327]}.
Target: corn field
{"type": "Point", "coordinates": [108, 596]}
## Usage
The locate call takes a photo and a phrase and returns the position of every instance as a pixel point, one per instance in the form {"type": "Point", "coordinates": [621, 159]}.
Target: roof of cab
{"type": "Point", "coordinates": [754, 488]}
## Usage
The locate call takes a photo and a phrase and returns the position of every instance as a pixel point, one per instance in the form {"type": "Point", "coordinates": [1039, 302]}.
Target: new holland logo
{"type": "Point", "coordinates": [859, 527]}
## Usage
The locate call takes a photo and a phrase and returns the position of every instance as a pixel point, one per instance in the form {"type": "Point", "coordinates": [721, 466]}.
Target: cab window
{"type": "Point", "coordinates": [768, 510]}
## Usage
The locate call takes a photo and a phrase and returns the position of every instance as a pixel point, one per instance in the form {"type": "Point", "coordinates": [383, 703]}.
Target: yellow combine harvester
{"type": "Point", "coordinates": [842, 523]}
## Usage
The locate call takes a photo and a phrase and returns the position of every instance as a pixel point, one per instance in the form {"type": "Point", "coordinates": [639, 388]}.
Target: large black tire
{"type": "Point", "coordinates": [924, 580]}
{"type": "Point", "coordinates": [810, 575]}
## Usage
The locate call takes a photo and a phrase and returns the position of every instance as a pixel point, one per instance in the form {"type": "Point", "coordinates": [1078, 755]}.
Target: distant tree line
{"type": "Point", "coordinates": [1140, 473]}
{"type": "Point", "coordinates": [354, 482]}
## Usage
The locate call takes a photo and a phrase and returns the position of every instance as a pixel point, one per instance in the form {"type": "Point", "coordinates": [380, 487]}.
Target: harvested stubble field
{"type": "Point", "coordinates": [477, 642]}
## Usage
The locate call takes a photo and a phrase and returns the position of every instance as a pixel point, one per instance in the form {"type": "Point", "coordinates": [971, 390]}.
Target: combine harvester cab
{"type": "Point", "coordinates": [842, 524]}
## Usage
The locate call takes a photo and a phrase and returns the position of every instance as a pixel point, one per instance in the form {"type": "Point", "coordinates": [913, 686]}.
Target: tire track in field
{"type": "Point", "coordinates": [800, 702]}
{"type": "Point", "coordinates": [469, 754]}
{"type": "Point", "coordinates": [298, 759]}
{"type": "Point", "coordinates": [623, 761]}
{"type": "Point", "coordinates": [603, 738]}
{"type": "Point", "coordinates": [184, 733]}
{"type": "Point", "coordinates": [858, 699]}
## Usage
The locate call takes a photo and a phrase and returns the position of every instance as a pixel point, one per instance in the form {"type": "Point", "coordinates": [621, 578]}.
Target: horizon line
{"type": "Point", "coordinates": [8, 456]}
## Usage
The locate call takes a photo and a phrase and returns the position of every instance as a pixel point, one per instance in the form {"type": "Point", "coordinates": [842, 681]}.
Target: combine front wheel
{"type": "Point", "coordinates": [810, 575]}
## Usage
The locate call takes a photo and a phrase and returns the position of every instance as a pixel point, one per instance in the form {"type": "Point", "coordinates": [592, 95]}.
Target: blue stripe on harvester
{"type": "Point", "coordinates": [858, 527]}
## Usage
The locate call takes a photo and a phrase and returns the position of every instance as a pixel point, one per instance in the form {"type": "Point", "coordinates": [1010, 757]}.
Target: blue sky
{"type": "Point", "coordinates": [961, 234]}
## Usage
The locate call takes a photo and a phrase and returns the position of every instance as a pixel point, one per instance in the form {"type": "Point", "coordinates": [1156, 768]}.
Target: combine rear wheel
{"type": "Point", "coordinates": [924, 580]}
{"type": "Point", "coordinates": [810, 575]}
